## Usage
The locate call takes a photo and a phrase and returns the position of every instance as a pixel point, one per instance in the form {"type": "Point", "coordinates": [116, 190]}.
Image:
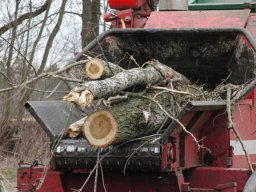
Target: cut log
{"type": "Point", "coordinates": [99, 69]}
{"type": "Point", "coordinates": [75, 128]}
{"type": "Point", "coordinates": [100, 128]}
{"type": "Point", "coordinates": [153, 73]}
{"type": "Point", "coordinates": [124, 121]}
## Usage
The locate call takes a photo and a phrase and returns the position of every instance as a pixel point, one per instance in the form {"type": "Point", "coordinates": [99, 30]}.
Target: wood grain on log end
{"type": "Point", "coordinates": [94, 69]}
{"type": "Point", "coordinates": [100, 128]}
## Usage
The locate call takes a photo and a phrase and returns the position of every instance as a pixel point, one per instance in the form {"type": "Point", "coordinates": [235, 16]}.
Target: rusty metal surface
{"type": "Point", "coordinates": [198, 19]}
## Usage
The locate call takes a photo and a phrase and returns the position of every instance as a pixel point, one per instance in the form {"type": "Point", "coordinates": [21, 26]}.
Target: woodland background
{"type": "Point", "coordinates": [36, 37]}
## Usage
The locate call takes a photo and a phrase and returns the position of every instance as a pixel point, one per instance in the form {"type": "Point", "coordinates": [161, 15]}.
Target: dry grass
{"type": "Point", "coordinates": [27, 142]}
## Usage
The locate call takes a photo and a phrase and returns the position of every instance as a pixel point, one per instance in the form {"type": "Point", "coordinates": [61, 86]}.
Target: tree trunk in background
{"type": "Point", "coordinates": [8, 97]}
{"type": "Point", "coordinates": [90, 25]}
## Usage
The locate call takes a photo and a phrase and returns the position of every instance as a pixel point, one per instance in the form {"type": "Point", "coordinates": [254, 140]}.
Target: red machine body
{"type": "Point", "coordinates": [220, 165]}
{"type": "Point", "coordinates": [129, 14]}
{"type": "Point", "coordinates": [117, 4]}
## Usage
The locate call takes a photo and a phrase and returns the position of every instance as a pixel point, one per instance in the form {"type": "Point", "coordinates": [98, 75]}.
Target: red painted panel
{"type": "Point", "coordinates": [198, 19]}
{"type": "Point", "coordinates": [131, 182]}
{"type": "Point", "coordinates": [117, 4]}
{"type": "Point", "coordinates": [191, 151]}
{"type": "Point", "coordinates": [115, 182]}
{"type": "Point", "coordinates": [204, 178]}
{"type": "Point", "coordinates": [28, 178]}
{"type": "Point", "coordinates": [244, 117]}
{"type": "Point", "coordinates": [216, 139]}
{"type": "Point", "coordinates": [210, 177]}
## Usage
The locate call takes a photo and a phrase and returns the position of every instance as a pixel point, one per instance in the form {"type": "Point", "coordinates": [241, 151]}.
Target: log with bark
{"type": "Point", "coordinates": [126, 120]}
{"type": "Point", "coordinates": [153, 73]}
{"type": "Point", "coordinates": [93, 69]}
{"type": "Point", "coordinates": [100, 69]}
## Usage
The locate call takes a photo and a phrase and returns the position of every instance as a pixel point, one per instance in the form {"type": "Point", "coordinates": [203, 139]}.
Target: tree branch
{"type": "Point", "coordinates": [42, 75]}
{"type": "Point", "coordinates": [23, 17]}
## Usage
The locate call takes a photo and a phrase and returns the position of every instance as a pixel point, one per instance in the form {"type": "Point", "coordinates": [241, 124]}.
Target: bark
{"type": "Point", "coordinates": [154, 72]}
{"type": "Point", "coordinates": [124, 121]}
{"type": "Point", "coordinates": [9, 66]}
{"type": "Point", "coordinates": [99, 69]}
{"type": "Point", "coordinates": [52, 37]}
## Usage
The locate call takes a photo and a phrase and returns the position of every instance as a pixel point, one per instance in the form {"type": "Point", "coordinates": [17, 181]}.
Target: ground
{"type": "Point", "coordinates": [8, 175]}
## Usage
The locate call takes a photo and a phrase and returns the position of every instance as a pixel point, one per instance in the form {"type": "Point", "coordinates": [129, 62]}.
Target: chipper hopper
{"type": "Point", "coordinates": [205, 56]}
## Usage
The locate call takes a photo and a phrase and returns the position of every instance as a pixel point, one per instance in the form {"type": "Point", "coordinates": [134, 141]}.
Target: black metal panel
{"type": "Point", "coordinates": [75, 154]}
{"type": "Point", "coordinates": [54, 116]}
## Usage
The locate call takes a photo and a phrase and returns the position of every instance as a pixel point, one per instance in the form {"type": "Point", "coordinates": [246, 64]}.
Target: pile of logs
{"type": "Point", "coordinates": [126, 108]}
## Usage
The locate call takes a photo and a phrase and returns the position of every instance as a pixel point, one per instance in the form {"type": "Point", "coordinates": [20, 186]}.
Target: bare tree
{"type": "Point", "coordinates": [34, 35]}
{"type": "Point", "coordinates": [18, 20]}
{"type": "Point", "coordinates": [90, 24]}
{"type": "Point", "coordinates": [23, 40]}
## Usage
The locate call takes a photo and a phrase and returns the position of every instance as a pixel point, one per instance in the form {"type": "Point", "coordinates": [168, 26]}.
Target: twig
{"type": "Point", "coordinates": [134, 61]}
{"type": "Point", "coordinates": [96, 171]}
{"type": "Point", "coordinates": [5, 76]}
{"type": "Point", "coordinates": [169, 115]}
{"type": "Point", "coordinates": [55, 144]}
{"type": "Point", "coordinates": [54, 90]}
{"type": "Point", "coordinates": [45, 91]}
{"type": "Point", "coordinates": [2, 188]}
{"type": "Point", "coordinates": [101, 49]}
{"type": "Point", "coordinates": [52, 74]}
{"type": "Point", "coordinates": [166, 120]}
{"type": "Point", "coordinates": [5, 180]}
{"type": "Point", "coordinates": [130, 156]}
{"type": "Point", "coordinates": [34, 70]}
{"type": "Point", "coordinates": [106, 154]}
{"type": "Point", "coordinates": [88, 177]}
{"type": "Point", "coordinates": [114, 100]}
{"type": "Point", "coordinates": [43, 75]}
{"type": "Point", "coordinates": [232, 126]}
{"type": "Point", "coordinates": [102, 178]}
{"type": "Point", "coordinates": [170, 90]}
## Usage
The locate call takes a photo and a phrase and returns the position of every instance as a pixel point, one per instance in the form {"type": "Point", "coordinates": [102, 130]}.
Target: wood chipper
{"type": "Point", "coordinates": [209, 47]}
